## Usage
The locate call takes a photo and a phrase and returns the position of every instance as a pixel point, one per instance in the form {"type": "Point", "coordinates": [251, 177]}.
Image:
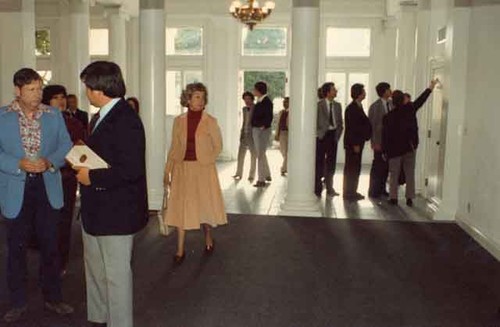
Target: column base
{"type": "Point", "coordinates": [309, 207]}
{"type": "Point", "coordinates": [155, 199]}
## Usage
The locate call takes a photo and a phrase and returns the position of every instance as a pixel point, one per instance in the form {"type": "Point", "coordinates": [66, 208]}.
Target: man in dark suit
{"type": "Point", "coordinates": [114, 200]}
{"type": "Point", "coordinates": [73, 110]}
{"type": "Point", "coordinates": [380, 167]}
{"type": "Point", "coordinates": [262, 118]}
{"type": "Point", "coordinates": [329, 129]}
{"type": "Point", "coordinates": [357, 132]}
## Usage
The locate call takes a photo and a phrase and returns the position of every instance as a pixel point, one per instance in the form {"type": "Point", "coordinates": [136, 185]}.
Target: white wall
{"type": "Point", "coordinates": [479, 187]}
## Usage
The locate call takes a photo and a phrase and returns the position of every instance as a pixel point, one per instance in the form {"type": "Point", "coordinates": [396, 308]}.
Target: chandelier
{"type": "Point", "coordinates": [251, 13]}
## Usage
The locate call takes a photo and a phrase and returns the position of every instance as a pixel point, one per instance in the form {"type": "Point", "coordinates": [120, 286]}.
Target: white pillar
{"type": "Point", "coordinates": [17, 43]}
{"type": "Point", "coordinates": [78, 49]}
{"type": "Point", "coordinates": [152, 89]}
{"type": "Point", "coordinates": [133, 57]}
{"type": "Point", "coordinates": [117, 20]}
{"type": "Point", "coordinates": [300, 199]}
{"type": "Point", "coordinates": [405, 55]}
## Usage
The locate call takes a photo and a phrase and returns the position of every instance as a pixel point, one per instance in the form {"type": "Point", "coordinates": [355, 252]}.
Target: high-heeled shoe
{"type": "Point", "coordinates": [209, 249]}
{"type": "Point", "coordinates": [179, 259]}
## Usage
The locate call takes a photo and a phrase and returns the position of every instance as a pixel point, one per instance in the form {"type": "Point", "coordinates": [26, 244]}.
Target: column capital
{"type": "Point", "coordinates": [115, 10]}
{"type": "Point", "coordinates": [151, 4]}
{"type": "Point", "coordinates": [306, 3]}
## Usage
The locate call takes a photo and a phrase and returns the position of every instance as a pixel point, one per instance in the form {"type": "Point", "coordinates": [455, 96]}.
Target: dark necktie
{"type": "Point", "coordinates": [93, 121]}
{"type": "Point", "coordinates": [331, 114]}
{"type": "Point", "coordinates": [388, 106]}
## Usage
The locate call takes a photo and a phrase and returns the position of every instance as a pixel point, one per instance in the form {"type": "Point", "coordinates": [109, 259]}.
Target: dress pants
{"type": "Point", "coordinates": [261, 141]}
{"type": "Point", "coordinates": [69, 187]}
{"type": "Point", "coordinates": [108, 275]}
{"type": "Point", "coordinates": [378, 175]}
{"type": "Point", "coordinates": [352, 169]}
{"type": "Point", "coordinates": [36, 213]}
{"type": "Point", "coordinates": [326, 161]}
{"type": "Point", "coordinates": [407, 162]}
{"type": "Point", "coordinates": [284, 150]}
{"type": "Point", "coordinates": [246, 144]}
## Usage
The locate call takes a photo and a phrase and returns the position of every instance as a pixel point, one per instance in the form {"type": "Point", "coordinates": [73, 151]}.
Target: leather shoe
{"type": "Point", "coordinates": [60, 308]}
{"type": "Point", "coordinates": [15, 314]}
{"type": "Point", "coordinates": [332, 193]}
{"type": "Point", "coordinates": [409, 202]}
{"type": "Point", "coordinates": [237, 176]}
{"type": "Point", "coordinates": [259, 184]}
{"type": "Point", "coordinates": [179, 259]}
{"type": "Point", "coordinates": [268, 179]}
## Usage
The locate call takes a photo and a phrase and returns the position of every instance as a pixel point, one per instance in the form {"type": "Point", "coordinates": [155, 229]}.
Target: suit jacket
{"type": "Point", "coordinates": [277, 132]}
{"type": "Point", "coordinates": [82, 116]}
{"type": "Point", "coordinates": [54, 147]}
{"type": "Point", "coordinates": [208, 141]}
{"type": "Point", "coordinates": [263, 113]}
{"type": "Point", "coordinates": [323, 118]}
{"type": "Point", "coordinates": [376, 114]}
{"type": "Point", "coordinates": [247, 121]}
{"type": "Point", "coordinates": [400, 128]}
{"type": "Point", "coordinates": [116, 201]}
{"type": "Point", "coordinates": [357, 126]}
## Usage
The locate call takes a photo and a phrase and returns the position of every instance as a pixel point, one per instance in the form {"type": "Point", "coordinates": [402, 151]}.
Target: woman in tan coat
{"type": "Point", "coordinates": [195, 194]}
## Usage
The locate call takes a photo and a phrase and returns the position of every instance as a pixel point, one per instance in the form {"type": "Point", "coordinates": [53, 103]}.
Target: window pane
{"type": "Point", "coordinates": [42, 39]}
{"type": "Point", "coordinates": [364, 79]}
{"type": "Point", "coordinates": [348, 42]}
{"type": "Point", "coordinates": [192, 76]}
{"type": "Point", "coordinates": [264, 41]}
{"type": "Point", "coordinates": [340, 81]}
{"type": "Point", "coordinates": [98, 42]}
{"type": "Point", "coordinates": [185, 41]}
{"type": "Point", "coordinates": [46, 76]}
{"type": "Point", "coordinates": [276, 83]}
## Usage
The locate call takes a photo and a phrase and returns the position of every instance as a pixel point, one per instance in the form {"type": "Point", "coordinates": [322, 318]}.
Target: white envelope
{"type": "Point", "coordinates": [83, 156]}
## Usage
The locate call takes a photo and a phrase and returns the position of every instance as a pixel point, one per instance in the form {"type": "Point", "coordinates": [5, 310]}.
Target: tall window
{"type": "Point", "coordinates": [184, 41]}
{"type": "Point", "coordinates": [348, 42]}
{"type": "Point", "coordinates": [176, 81]}
{"type": "Point", "coordinates": [42, 39]}
{"type": "Point", "coordinates": [343, 82]}
{"type": "Point", "coordinates": [99, 42]}
{"type": "Point", "coordinates": [264, 41]}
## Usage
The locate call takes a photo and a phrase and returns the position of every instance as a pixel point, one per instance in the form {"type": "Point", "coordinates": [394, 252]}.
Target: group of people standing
{"type": "Point", "coordinates": [391, 126]}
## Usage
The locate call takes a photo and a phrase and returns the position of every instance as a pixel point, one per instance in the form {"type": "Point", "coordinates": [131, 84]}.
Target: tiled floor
{"type": "Point", "coordinates": [241, 197]}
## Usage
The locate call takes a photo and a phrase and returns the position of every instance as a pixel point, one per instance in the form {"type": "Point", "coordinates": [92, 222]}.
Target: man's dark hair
{"type": "Point", "coordinates": [408, 95]}
{"type": "Point", "coordinates": [398, 98]}
{"type": "Point", "coordinates": [104, 76]}
{"type": "Point", "coordinates": [325, 88]}
{"type": "Point", "coordinates": [52, 90]}
{"type": "Point", "coordinates": [71, 96]}
{"type": "Point", "coordinates": [248, 94]}
{"type": "Point", "coordinates": [25, 76]}
{"type": "Point", "coordinates": [381, 88]}
{"type": "Point", "coordinates": [261, 87]}
{"type": "Point", "coordinates": [356, 90]}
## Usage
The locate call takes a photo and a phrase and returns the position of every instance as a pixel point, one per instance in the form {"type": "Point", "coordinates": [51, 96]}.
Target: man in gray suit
{"type": "Point", "coordinates": [246, 139]}
{"type": "Point", "coordinates": [380, 167]}
{"type": "Point", "coordinates": [329, 129]}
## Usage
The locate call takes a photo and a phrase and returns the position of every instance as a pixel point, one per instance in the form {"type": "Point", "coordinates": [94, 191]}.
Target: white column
{"type": "Point", "coordinates": [152, 89]}
{"type": "Point", "coordinates": [405, 55]}
{"type": "Point", "coordinates": [17, 43]}
{"type": "Point", "coordinates": [78, 49]}
{"type": "Point", "coordinates": [133, 57]}
{"type": "Point", "coordinates": [300, 199]}
{"type": "Point", "coordinates": [117, 20]}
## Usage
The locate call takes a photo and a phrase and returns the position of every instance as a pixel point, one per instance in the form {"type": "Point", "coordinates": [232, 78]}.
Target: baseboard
{"type": "Point", "coordinates": [491, 246]}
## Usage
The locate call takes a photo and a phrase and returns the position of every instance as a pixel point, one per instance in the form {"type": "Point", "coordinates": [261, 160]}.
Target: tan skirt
{"type": "Point", "coordinates": [195, 197]}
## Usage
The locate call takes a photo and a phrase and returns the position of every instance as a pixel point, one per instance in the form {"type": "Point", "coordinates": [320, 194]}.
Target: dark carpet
{"type": "Point", "coordinates": [272, 271]}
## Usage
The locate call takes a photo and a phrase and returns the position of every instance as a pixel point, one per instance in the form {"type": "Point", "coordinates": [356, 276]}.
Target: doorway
{"type": "Point", "coordinates": [436, 142]}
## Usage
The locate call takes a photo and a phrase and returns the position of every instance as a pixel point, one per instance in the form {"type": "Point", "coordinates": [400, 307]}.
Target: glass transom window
{"type": "Point", "coordinates": [184, 41]}
{"type": "Point", "coordinates": [264, 41]}
{"type": "Point", "coordinates": [348, 42]}
{"type": "Point", "coordinates": [99, 42]}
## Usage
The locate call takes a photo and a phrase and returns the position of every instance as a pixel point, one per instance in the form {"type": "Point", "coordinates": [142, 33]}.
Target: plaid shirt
{"type": "Point", "coordinates": [31, 131]}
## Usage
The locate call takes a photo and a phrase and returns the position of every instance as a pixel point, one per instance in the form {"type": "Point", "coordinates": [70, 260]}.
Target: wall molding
{"type": "Point", "coordinates": [491, 246]}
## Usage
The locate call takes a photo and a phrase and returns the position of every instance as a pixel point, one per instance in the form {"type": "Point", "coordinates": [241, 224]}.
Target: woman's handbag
{"type": "Point", "coordinates": [162, 215]}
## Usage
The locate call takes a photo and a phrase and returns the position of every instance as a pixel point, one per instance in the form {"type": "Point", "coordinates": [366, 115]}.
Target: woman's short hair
{"type": "Point", "coordinates": [190, 89]}
{"type": "Point", "coordinates": [135, 101]}
{"type": "Point", "coordinates": [356, 90]}
{"type": "Point", "coordinates": [52, 90]}
{"type": "Point", "coordinates": [325, 88]}
{"type": "Point", "coordinates": [381, 88]}
{"type": "Point", "coordinates": [104, 76]}
{"type": "Point", "coordinates": [261, 87]}
{"type": "Point", "coordinates": [248, 94]}
{"type": "Point", "coordinates": [398, 98]}
{"type": "Point", "coordinates": [25, 76]}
